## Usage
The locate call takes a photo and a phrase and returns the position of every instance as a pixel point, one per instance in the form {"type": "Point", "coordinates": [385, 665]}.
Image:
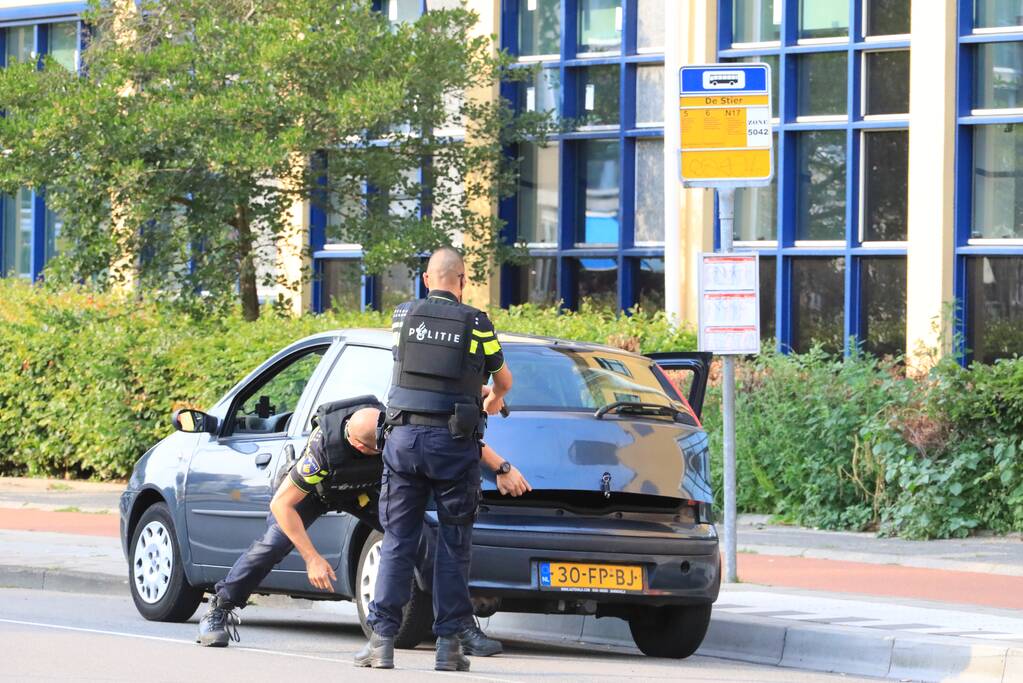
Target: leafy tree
{"type": "Point", "coordinates": [197, 125]}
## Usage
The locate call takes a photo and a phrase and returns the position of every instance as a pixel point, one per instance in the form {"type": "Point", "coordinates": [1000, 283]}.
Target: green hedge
{"type": "Point", "coordinates": [88, 381]}
{"type": "Point", "coordinates": [856, 445]}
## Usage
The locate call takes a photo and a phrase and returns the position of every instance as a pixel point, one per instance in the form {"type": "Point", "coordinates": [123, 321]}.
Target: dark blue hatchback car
{"type": "Point", "coordinates": [619, 522]}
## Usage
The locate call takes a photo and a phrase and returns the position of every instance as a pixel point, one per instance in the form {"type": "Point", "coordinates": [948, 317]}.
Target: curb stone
{"type": "Point", "coordinates": [764, 640]}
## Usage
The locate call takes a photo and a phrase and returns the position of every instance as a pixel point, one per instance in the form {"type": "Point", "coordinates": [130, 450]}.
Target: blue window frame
{"type": "Point", "coordinates": [606, 61]}
{"type": "Point", "coordinates": [29, 232]}
{"type": "Point", "coordinates": [828, 199]}
{"type": "Point", "coordinates": [989, 181]}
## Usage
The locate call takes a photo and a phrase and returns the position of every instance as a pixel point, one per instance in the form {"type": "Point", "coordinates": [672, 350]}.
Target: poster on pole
{"type": "Point", "coordinates": [729, 303]}
{"type": "Point", "coordinates": [725, 118]}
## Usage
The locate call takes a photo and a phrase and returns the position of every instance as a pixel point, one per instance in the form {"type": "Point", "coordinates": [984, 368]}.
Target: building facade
{"type": "Point", "coordinates": [895, 219]}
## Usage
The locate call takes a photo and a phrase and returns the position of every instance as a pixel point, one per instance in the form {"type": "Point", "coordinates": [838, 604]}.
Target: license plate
{"type": "Point", "coordinates": [600, 578]}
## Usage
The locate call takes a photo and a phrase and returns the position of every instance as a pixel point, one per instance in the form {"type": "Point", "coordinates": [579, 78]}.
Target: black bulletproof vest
{"type": "Point", "coordinates": [351, 472]}
{"type": "Point", "coordinates": [435, 369]}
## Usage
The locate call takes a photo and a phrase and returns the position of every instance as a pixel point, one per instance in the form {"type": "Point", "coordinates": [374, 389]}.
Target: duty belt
{"type": "Point", "coordinates": [425, 420]}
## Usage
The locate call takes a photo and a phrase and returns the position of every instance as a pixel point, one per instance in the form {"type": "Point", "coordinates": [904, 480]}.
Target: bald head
{"type": "Point", "coordinates": [446, 270]}
{"type": "Point", "coordinates": [362, 429]}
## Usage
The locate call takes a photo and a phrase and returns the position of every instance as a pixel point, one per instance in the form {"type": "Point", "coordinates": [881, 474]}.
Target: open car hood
{"type": "Point", "coordinates": [573, 451]}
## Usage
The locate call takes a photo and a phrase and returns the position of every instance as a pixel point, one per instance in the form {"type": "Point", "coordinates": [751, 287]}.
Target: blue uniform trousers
{"type": "Point", "coordinates": [420, 461]}
{"type": "Point", "coordinates": [255, 563]}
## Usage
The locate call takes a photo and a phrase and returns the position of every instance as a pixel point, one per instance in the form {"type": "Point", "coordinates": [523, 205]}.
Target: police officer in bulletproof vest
{"type": "Point", "coordinates": [340, 469]}
{"type": "Point", "coordinates": [444, 353]}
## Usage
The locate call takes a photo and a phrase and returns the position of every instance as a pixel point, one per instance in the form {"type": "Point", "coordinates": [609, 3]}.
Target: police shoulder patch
{"type": "Point", "coordinates": [309, 466]}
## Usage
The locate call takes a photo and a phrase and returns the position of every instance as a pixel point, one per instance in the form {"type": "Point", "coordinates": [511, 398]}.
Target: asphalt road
{"type": "Point", "coordinates": [63, 636]}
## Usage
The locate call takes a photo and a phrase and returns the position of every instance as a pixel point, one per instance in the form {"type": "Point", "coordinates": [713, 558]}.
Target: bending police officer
{"type": "Point", "coordinates": [444, 353]}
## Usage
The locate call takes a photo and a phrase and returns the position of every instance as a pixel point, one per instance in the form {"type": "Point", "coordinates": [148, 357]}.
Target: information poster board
{"type": "Point", "coordinates": [729, 303]}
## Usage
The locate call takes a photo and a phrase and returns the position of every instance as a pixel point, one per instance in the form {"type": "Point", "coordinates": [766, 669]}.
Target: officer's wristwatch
{"type": "Point", "coordinates": [503, 468]}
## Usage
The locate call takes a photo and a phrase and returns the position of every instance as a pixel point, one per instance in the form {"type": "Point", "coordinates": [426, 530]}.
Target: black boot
{"type": "Point", "coordinates": [219, 626]}
{"type": "Point", "coordinates": [449, 655]}
{"type": "Point", "coordinates": [477, 643]}
{"type": "Point", "coordinates": [377, 653]}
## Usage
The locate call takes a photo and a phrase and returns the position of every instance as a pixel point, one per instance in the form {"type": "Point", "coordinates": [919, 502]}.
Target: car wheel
{"type": "Point", "coordinates": [417, 618]}
{"type": "Point", "coordinates": [155, 573]}
{"type": "Point", "coordinates": [673, 632]}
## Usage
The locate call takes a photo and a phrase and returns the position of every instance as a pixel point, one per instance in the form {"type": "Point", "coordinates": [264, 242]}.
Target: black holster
{"type": "Point", "coordinates": [465, 421]}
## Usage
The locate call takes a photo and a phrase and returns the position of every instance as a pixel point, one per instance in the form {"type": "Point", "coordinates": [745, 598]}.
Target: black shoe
{"type": "Point", "coordinates": [377, 653]}
{"type": "Point", "coordinates": [449, 655]}
{"type": "Point", "coordinates": [219, 626]}
{"type": "Point", "coordinates": [477, 643]}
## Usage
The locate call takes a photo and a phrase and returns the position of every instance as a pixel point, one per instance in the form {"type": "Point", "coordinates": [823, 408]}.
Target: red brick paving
{"type": "Point", "coordinates": [83, 523]}
{"type": "Point", "coordinates": [881, 580]}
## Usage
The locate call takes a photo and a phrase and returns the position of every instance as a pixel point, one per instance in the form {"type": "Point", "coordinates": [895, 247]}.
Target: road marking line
{"type": "Point", "coordinates": [462, 675]}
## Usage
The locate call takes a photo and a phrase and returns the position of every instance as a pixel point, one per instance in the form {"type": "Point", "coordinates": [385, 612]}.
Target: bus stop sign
{"type": "Point", "coordinates": [725, 112]}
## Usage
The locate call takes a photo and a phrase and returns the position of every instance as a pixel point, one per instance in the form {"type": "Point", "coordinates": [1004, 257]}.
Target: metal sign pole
{"type": "Point", "coordinates": [726, 212]}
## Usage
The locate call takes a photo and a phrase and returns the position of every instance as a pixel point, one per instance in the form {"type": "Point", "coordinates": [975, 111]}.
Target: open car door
{"type": "Point", "coordinates": [695, 367]}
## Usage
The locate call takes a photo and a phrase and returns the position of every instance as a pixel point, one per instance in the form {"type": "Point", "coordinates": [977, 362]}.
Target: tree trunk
{"type": "Point", "coordinates": [246, 266]}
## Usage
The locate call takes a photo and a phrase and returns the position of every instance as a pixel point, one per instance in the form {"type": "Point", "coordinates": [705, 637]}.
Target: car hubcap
{"type": "Point", "coordinates": [368, 579]}
{"type": "Point", "coordinates": [153, 562]}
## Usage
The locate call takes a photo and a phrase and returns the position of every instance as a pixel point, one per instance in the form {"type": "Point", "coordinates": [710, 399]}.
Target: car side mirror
{"type": "Point", "coordinates": [193, 421]}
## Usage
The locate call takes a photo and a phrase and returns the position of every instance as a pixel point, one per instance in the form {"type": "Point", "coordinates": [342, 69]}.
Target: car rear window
{"type": "Point", "coordinates": [553, 378]}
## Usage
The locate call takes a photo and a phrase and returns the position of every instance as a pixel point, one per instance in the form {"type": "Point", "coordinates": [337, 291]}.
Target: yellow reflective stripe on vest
{"type": "Point", "coordinates": [473, 345]}
{"type": "Point", "coordinates": [481, 334]}
{"type": "Point", "coordinates": [491, 347]}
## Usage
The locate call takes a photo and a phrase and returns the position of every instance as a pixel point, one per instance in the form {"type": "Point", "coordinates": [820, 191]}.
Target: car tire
{"type": "Point", "coordinates": [417, 617]}
{"type": "Point", "coordinates": [156, 576]}
{"type": "Point", "coordinates": [672, 632]}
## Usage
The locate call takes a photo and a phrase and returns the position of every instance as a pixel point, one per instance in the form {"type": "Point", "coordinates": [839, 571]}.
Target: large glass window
{"type": "Point", "coordinates": [17, 228]}
{"type": "Point", "coordinates": [21, 44]}
{"type": "Point", "coordinates": [650, 96]}
{"type": "Point", "coordinates": [600, 25]}
{"type": "Point", "coordinates": [998, 76]}
{"type": "Point", "coordinates": [341, 284]}
{"type": "Point", "coordinates": [771, 60]}
{"type": "Point", "coordinates": [597, 281]}
{"type": "Point", "coordinates": [598, 192]}
{"type": "Point", "coordinates": [55, 238]}
{"type": "Point", "coordinates": [650, 285]}
{"type": "Point", "coordinates": [539, 27]}
{"type": "Point", "coordinates": [997, 13]}
{"type": "Point", "coordinates": [845, 76]}
{"type": "Point", "coordinates": [998, 181]}
{"type": "Point", "coordinates": [887, 17]}
{"type": "Point", "coordinates": [396, 285]}
{"type": "Point", "coordinates": [818, 303]}
{"type": "Point", "coordinates": [823, 18]}
{"type": "Point", "coordinates": [756, 211]}
{"type": "Point", "coordinates": [822, 84]}
{"type": "Point", "coordinates": [995, 309]}
{"type": "Point", "coordinates": [542, 92]}
{"type": "Point", "coordinates": [63, 47]}
{"type": "Point", "coordinates": [538, 282]}
{"type": "Point", "coordinates": [756, 21]}
{"type": "Point", "coordinates": [400, 11]}
{"type": "Point", "coordinates": [887, 82]}
{"type": "Point", "coordinates": [538, 194]}
{"type": "Point", "coordinates": [650, 24]}
{"type": "Point", "coordinates": [885, 185]}
{"type": "Point", "coordinates": [598, 95]}
{"type": "Point", "coordinates": [883, 306]}
{"type": "Point", "coordinates": [821, 185]}
{"type": "Point", "coordinates": [649, 190]}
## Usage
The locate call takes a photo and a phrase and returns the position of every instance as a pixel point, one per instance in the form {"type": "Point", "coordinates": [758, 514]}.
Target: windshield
{"type": "Point", "coordinates": [552, 378]}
